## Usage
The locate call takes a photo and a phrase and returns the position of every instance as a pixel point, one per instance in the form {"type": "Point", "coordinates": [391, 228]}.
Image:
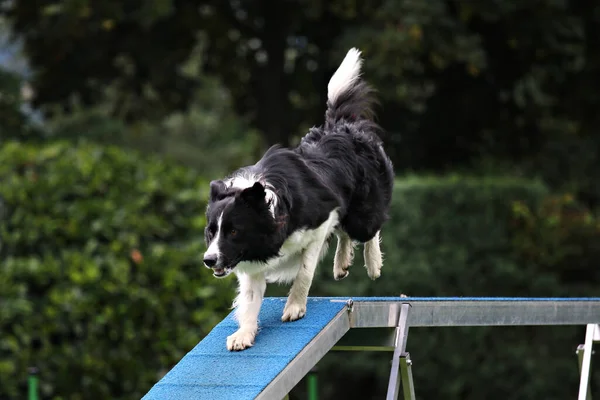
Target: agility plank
{"type": "Point", "coordinates": [210, 371]}
{"type": "Point", "coordinates": [285, 352]}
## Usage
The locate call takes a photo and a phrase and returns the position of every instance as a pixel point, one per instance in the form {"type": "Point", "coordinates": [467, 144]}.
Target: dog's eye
{"type": "Point", "coordinates": [233, 232]}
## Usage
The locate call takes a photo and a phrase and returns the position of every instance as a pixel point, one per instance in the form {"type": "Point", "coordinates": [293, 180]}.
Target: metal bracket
{"type": "Point", "coordinates": [401, 363]}
{"type": "Point", "coordinates": [584, 354]}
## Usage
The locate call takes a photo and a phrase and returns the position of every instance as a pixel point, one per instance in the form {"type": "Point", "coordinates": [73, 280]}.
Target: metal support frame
{"type": "Point", "coordinates": [584, 353]}
{"type": "Point", "coordinates": [401, 314]}
{"type": "Point", "coordinates": [401, 363]}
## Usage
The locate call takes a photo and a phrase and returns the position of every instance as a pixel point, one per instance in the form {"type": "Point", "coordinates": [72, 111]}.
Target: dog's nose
{"type": "Point", "coordinates": [210, 260]}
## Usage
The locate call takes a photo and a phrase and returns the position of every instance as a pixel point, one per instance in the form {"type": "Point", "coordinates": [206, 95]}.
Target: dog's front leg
{"type": "Point", "coordinates": [247, 304]}
{"type": "Point", "coordinates": [295, 307]}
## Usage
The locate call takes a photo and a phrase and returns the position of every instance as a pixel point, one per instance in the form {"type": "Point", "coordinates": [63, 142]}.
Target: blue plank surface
{"type": "Point", "coordinates": [210, 371]}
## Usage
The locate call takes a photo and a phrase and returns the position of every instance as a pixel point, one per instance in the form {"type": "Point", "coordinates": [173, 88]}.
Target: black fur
{"type": "Point", "coordinates": [341, 165]}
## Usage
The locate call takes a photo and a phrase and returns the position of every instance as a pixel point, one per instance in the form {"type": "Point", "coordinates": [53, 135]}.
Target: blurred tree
{"type": "Point", "coordinates": [208, 136]}
{"type": "Point", "coordinates": [267, 52]}
{"type": "Point", "coordinates": [11, 116]}
{"type": "Point", "coordinates": [486, 70]}
{"type": "Point", "coordinates": [513, 81]}
{"type": "Point", "coordinates": [79, 47]}
{"type": "Point", "coordinates": [275, 57]}
{"type": "Point", "coordinates": [16, 123]}
{"type": "Point", "coordinates": [503, 79]}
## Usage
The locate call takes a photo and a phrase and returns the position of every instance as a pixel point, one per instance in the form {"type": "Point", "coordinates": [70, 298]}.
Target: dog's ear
{"type": "Point", "coordinates": [217, 190]}
{"type": "Point", "coordinates": [254, 195]}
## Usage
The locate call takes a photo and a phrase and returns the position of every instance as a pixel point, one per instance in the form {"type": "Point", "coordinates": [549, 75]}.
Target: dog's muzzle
{"type": "Point", "coordinates": [211, 262]}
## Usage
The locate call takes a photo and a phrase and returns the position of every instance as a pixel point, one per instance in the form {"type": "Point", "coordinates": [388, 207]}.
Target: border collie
{"type": "Point", "coordinates": [271, 221]}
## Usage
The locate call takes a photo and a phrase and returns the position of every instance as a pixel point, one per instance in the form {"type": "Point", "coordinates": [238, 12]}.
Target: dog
{"type": "Point", "coordinates": [272, 221]}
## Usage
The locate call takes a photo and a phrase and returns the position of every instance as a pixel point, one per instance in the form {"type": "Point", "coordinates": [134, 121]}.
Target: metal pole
{"type": "Point", "coordinates": [586, 362]}
{"type": "Point", "coordinates": [580, 351]}
{"type": "Point", "coordinates": [313, 390]}
{"type": "Point", "coordinates": [399, 352]}
{"type": "Point", "coordinates": [408, 388]}
{"type": "Point", "coordinates": [32, 383]}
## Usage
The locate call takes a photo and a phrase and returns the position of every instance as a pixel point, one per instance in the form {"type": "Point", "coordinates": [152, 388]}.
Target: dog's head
{"type": "Point", "coordinates": [239, 227]}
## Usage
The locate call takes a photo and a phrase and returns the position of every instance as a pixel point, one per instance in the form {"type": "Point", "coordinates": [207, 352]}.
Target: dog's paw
{"type": "Point", "coordinates": [293, 312]}
{"type": "Point", "coordinates": [374, 273]}
{"type": "Point", "coordinates": [339, 274]}
{"type": "Point", "coordinates": [240, 340]}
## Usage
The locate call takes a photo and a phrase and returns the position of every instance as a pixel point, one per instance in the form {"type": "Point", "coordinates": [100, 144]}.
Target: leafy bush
{"type": "Point", "coordinates": [560, 236]}
{"type": "Point", "coordinates": [207, 136]}
{"type": "Point", "coordinates": [101, 280]}
{"type": "Point", "coordinates": [456, 237]}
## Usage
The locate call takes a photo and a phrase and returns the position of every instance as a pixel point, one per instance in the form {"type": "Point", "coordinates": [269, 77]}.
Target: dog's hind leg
{"type": "Point", "coordinates": [373, 257]}
{"type": "Point", "coordinates": [344, 254]}
{"type": "Point", "coordinates": [295, 307]}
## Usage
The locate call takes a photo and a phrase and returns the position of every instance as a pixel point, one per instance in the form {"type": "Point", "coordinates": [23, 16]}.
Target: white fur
{"type": "Point", "coordinates": [244, 182]}
{"type": "Point", "coordinates": [344, 254]}
{"type": "Point", "coordinates": [213, 248]}
{"type": "Point", "coordinates": [299, 256]}
{"type": "Point", "coordinates": [295, 307]}
{"type": "Point", "coordinates": [247, 304]}
{"type": "Point", "coordinates": [345, 76]}
{"type": "Point", "coordinates": [373, 257]}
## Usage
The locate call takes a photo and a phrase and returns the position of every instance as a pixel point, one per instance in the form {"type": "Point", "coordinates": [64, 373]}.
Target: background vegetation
{"type": "Point", "coordinates": [100, 283]}
{"type": "Point", "coordinates": [114, 116]}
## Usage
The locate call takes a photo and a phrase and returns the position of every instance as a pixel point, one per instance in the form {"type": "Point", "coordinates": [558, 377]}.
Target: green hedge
{"type": "Point", "coordinates": [101, 279]}
{"type": "Point", "coordinates": [457, 236]}
{"type": "Point", "coordinates": [561, 236]}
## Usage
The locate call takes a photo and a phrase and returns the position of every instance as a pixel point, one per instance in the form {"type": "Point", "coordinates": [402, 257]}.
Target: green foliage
{"type": "Point", "coordinates": [137, 46]}
{"type": "Point", "coordinates": [141, 48]}
{"type": "Point", "coordinates": [101, 280]}
{"type": "Point", "coordinates": [464, 78]}
{"type": "Point", "coordinates": [15, 123]}
{"type": "Point", "coordinates": [455, 236]}
{"type": "Point", "coordinates": [570, 164]}
{"type": "Point", "coordinates": [561, 236]}
{"type": "Point", "coordinates": [511, 81]}
{"type": "Point", "coordinates": [207, 136]}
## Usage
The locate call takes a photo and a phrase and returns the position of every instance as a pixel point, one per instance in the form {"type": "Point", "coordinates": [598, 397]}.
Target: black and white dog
{"type": "Point", "coordinates": [271, 222]}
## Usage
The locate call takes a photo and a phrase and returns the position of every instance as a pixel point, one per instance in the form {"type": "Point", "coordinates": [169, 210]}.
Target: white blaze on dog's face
{"type": "Point", "coordinates": [239, 227]}
{"type": "Point", "coordinates": [211, 256]}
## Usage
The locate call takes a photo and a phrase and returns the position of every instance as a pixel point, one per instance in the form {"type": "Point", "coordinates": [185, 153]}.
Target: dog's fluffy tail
{"type": "Point", "coordinates": [348, 96]}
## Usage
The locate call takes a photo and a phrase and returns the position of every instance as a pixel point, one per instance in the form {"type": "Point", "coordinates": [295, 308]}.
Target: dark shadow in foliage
{"type": "Point", "coordinates": [14, 122]}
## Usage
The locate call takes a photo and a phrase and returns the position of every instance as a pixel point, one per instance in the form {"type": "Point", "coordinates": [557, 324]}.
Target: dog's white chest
{"type": "Point", "coordinates": [285, 267]}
